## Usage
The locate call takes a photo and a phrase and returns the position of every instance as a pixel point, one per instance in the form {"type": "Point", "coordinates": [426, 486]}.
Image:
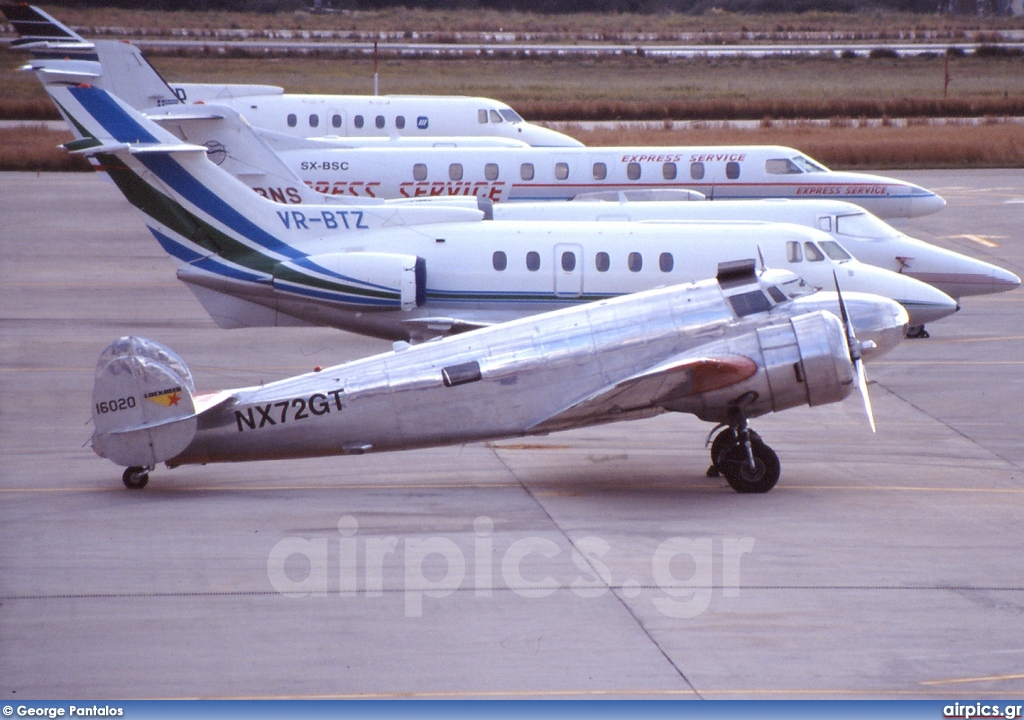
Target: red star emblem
{"type": "Point", "coordinates": [173, 399]}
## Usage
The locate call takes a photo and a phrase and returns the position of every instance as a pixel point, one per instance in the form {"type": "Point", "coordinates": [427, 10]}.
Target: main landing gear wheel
{"type": "Point", "coordinates": [723, 441]}
{"type": "Point", "coordinates": [735, 465]}
{"type": "Point", "coordinates": [135, 478]}
{"type": "Point", "coordinates": [917, 332]}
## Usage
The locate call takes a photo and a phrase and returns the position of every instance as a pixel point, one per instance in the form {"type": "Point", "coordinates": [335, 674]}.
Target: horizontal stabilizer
{"type": "Point", "coordinates": [652, 389]}
{"type": "Point", "coordinates": [189, 112]}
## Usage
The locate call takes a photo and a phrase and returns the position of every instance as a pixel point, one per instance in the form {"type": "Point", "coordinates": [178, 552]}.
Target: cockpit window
{"type": "Point", "coordinates": [781, 166]}
{"type": "Point", "coordinates": [495, 117]}
{"type": "Point", "coordinates": [748, 303]}
{"type": "Point", "coordinates": [511, 115]}
{"type": "Point", "coordinates": [864, 225]}
{"type": "Point", "coordinates": [777, 295]}
{"type": "Point", "coordinates": [807, 165]}
{"type": "Point", "coordinates": [812, 252]}
{"type": "Point", "coordinates": [834, 250]}
{"type": "Point", "coordinates": [797, 287]}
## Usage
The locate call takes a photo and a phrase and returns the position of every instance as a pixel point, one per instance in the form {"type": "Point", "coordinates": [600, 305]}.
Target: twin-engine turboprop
{"type": "Point", "coordinates": [724, 351]}
{"type": "Point", "coordinates": [382, 270]}
{"type": "Point", "coordinates": [421, 119]}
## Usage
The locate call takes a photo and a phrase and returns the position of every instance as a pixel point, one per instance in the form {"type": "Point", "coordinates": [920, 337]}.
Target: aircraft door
{"type": "Point", "coordinates": [568, 267]}
{"type": "Point", "coordinates": [335, 123]}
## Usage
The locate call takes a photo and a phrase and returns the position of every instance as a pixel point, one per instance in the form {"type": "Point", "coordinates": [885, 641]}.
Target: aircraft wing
{"type": "Point", "coordinates": [649, 390]}
{"type": "Point", "coordinates": [424, 328]}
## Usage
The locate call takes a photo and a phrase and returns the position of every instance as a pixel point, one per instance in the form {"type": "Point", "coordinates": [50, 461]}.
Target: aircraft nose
{"type": "Point", "coordinates": [923, 302]}
{"type": "Point", "coordinates": [880, 323]}
{"type": "Point", "coordinates": [1004, 280]}
{"type": "Point", "coordinates": [924, 202]}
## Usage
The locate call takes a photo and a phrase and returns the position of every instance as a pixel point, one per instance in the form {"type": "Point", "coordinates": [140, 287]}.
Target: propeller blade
{"type": "Point", "coordinates": [856, 357]}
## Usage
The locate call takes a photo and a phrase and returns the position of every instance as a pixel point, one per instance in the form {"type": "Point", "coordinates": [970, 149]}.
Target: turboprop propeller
{"type": "Point", "coordinates": [856, 348]}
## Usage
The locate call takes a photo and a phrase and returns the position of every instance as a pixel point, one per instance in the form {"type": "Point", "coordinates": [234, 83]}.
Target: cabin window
{"type": "Point", "coordinates": [635, 262]}
{"type": "Point", "coordinates": [696, 171]}
{"type": "Point", "coordinates": [460, 374]}
{"type": "Point", "coordinates": [533, 261]}
{"type": "Point", "coordinates": [834, 250]}
{"type": "Point", "coordinates": [749, 303]}
{"type": "Point", "coordinates": [526, 171]}
{"type": "Point", "coordinates": [495, 117]}
{"type": "Point", "coordinates": [561, 171]}
{"type": "Point", "coordinates": [600, 171]}
{"type": "Point", "coordinates": [568, 261]}
{"type": "Point", "coordinates": [633, 171]}
{"type": "Point", "coordinates": [481, 116]}
{"type": "Point", "coordinates": [732, 170]}
{"type": "Point", "coordinates": [292, 120]}
{"type": "Point", "coordinates": [781, 166]}
{"type": "Point", "coordinates": [455, 171]}
{"type": "Point", "coordinates": [491, 171]}
{"type": "Point", "coordinates": [314, 120]}
{"type": "Point", "coordinates": [669, 171]}
{"type": "Point", "coordinates": [666, 262]}
{"type": "Point", "coordinates": [419, 171]}
{"type": "Point", "coordinates": [812, 253]}
{"type": "Point", "coordinates": [358, 121]}
{"type": "Point", "coordinates": [499, 260]}
{"type": "Point", "coordinates": [336, 121]}
{"type": "Point", "coordinates": [400, 122]}
{"type": "Point", "coordinates": [602, 262]}
{"type": "Point", "coordinates": [379, 122]}
{"type": "Point", "coordinates": [793, 252]}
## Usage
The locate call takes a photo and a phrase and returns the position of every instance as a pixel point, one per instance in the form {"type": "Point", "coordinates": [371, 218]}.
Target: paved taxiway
{"type": "Point", "coordinates": [881, 566]}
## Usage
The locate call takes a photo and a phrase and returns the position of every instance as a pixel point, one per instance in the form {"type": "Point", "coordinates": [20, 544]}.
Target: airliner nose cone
{"type": "Point", "coordinates": [1004, 280]}
{"type": "Point", "coordinates": [924, 202]}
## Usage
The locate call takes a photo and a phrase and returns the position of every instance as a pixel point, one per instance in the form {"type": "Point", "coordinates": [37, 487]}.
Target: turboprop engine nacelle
{"type": "Point", "coordinates": [802, 361]}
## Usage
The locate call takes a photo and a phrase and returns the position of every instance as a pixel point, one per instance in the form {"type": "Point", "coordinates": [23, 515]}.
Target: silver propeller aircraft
{"type": "Point", "coordinates": [414, 269]}
{"type": "Point", "coordinates": [726, 351]}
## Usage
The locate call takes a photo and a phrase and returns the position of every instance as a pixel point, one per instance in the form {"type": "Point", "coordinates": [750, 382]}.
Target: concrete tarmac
{"type": "Point", "coordinates": [881, 566]}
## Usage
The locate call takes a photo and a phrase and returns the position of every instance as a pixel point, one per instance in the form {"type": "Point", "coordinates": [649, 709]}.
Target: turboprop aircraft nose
{"type": "Point", "coordinates": [924, 202]}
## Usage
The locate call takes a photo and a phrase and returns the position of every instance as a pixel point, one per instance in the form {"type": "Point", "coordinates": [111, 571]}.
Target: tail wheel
{"type": "Point", "coordinates": [135, 478]}
{"type": "Point", "coordinates": [734, 464]}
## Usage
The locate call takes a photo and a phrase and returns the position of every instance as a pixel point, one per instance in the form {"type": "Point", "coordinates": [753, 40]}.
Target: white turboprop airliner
{"type": "Point", "coordinates": [368, 268]}
{"type": "Point", "coordinates": [121, 68]}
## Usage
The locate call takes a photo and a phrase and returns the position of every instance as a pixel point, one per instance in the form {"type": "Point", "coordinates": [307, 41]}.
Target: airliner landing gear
{"type": "Point", "coordinates": [748, 464]}
{"type": "Point", "coordinates": [917, 332]}
{"type": "Point", "coordinates": [135, 477]}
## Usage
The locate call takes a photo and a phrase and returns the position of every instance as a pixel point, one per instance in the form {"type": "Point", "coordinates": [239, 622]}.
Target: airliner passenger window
{"type": "Point", "coordinates": [635, 261]}
{"type": "Point", "coordinates": [499, 260]}
{"type": "Point", "coordinates": [491, 171]}
{"type": "Point", "coordinates": [455, 171]}
{"type": "Point", "coordinates": [379, 122]}
{"type": "Point", "coordinates": [732, 170]}
{"type": "Point", "coordinates": [600, 171]}
{"type": "Point", "coordinates": [696, 171]}
{"type": "Point", "coordinates": [666, 262]}
{"type": "Point", "coordinates": [602, 262]}
{"type": "Point", "coordinates": [633, 171]}
{"type": "Point", "coordinates": [568, 261]}
{"type": "Point", "coordinates": [533, 261]}
{"type": "Point", "coordinates": [793, 252]}
{"type": "Point", "coordinates": [669, 171]}
{"type": "Point", "coordinates": [561, 171]}
{"type": "Point", "coordinates": [495, 117]}
{"type": "Point", "coordinates": [336, 121]}
{"type": "Point", "coordinates": [314, 120]}
{"type": "Point", "coordinates": [292, 120]}
{"type": "Point", "coordinates": [400, 122]}
{"type": "Point", "coordinates": [526, 171]}
{"type": "Point", "coordinates": [481, 116]}
{"type": "Point", "coordinates": [812, 252]}
{"type": "Point", "coordinates": [419, 171]}
{"type": "Point", "coordinates": [781, 166]}
{"type": "Point", "coordinates": [358, 121]}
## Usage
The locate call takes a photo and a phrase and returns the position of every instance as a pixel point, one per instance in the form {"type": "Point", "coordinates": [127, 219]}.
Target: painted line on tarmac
{"type": "Point", "coordinates": [989, 678]}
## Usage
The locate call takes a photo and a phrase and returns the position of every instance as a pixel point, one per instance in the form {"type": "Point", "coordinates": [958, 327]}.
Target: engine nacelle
{"type": "Point", "coordinates": [802, 361]}
{"type": "Point", "coordinates": [366, 280]}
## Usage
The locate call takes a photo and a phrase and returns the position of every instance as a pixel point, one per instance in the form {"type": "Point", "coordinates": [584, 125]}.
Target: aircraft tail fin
{"type": "Point", "coordinates": [38, 31]}
{"type": "Point", "coordinates": [143, 409]}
